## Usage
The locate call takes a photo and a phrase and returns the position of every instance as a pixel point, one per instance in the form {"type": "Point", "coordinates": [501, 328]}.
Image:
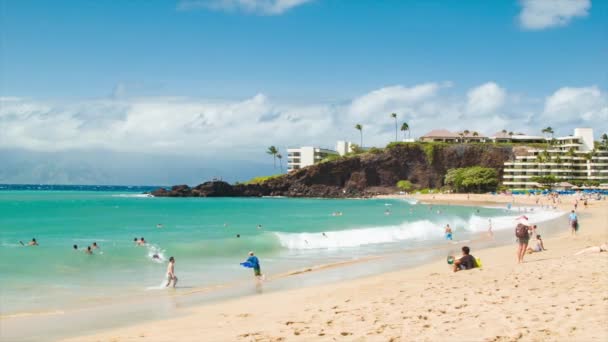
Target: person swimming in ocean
{"type": "Point", "coordinates": [33, 242]}
{"type": "Point", "coordinates": [141, 242]}
{"type": "Point", "coordinates": [88, 250]}
{"type": "Point", "coordinates": [159, 225]}
{"type": "Point", "coordinates": [259, 226]}
{"type": "Point", "coordinates": [135, 241]}
{"type": "Point", "coordinates": [75, 247]}
{"type": "Point", "coordinates": [94, 246]}
{"type": "Point", "coordinates": [238, 236]}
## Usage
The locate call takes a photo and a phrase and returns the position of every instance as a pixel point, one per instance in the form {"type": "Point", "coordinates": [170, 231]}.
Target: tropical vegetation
{"type": "Point", "coordinates": [472, 179]}
{"type": "Point", "coordinates": [272, 150]}
{"type": "Point", "coordinates": [404, 185]}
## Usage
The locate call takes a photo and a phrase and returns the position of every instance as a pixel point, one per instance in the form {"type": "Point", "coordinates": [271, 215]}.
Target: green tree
{"type": "Point", "coordinates": [273, 152]}
{"type": "Point", "coordinates": [404, 185]}
{"type": "Point", "coordinates": [545, 181]}
{"type": "Point", "coordinates": [605, 140]}
{"type": "Point", "coordinates": [394, 116]}
{"type": "Point", "coordinates": [280, 158]}
{"type": "Point", "coordinates": [540, 159]}
{"type": "Point", "coordinates": [405, 127]}
{"type": "Point", "coordinates": [472, 179]}
{"type": "Point", "coordinates": [359, 127]}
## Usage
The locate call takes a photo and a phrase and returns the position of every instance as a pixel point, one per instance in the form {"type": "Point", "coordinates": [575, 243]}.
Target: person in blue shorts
{"type": "Point", "coordinates": [448, 232]}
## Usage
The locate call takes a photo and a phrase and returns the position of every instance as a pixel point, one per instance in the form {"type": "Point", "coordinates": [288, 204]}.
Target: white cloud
{"type": "Point", "coordinates": [541, 14]}
{"type": "Point", "coordinates": [267, 7]}
{"type": "Point", "coordinates": [586, 105]}
{"type": "Point", "coordinates": [485, 99]}
{"type": "Point", "coordinates": [242, 129]}
{"type": "Point", "coordinates": [389, 99]}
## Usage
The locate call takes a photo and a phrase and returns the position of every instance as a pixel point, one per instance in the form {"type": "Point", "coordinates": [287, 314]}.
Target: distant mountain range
{"type": "Point", "coordinates": [112, 168]}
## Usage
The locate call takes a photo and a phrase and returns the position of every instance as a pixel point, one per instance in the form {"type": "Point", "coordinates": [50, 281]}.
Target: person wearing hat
{"type": "Point", "coordinates": [255, 264]}
{"type": "Point", "coordinates": [523, 237]}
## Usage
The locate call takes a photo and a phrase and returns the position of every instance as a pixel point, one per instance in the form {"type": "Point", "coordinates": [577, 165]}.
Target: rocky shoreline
{"type": "Point", "coordinates": [364, 175]}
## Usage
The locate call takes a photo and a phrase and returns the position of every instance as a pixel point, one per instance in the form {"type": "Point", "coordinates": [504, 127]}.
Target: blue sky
{"type": "Point", "coordinates": [324, 49]}
{"type": "Point", "coordinates": [114, 75]}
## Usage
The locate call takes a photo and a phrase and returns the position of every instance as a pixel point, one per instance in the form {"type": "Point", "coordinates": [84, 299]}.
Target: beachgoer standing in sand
{"type": "Point", "coordinates": [171, 272]}
{"type": "Point", "coordinates": [573, 219]}
{"type": "Point", "coordinates": [521, 233]}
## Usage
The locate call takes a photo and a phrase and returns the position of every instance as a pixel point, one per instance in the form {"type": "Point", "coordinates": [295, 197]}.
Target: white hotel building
{"type": "Point", "coordinates": [567, 158]}
{"type": "Point", "coordinates": [298, 158]}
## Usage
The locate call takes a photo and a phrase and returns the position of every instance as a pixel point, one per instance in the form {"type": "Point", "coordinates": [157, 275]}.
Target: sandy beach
{"type": "Point", "coordinates": [553, 296]}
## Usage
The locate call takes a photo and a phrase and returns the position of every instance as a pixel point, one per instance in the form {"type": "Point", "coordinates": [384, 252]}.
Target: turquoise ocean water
{"type": "Point", "coordinates": [201, 234]}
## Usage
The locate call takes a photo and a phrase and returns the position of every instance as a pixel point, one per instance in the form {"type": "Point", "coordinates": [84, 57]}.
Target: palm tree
{"type": "Point", "coordinates": [465, 133]}
{"type": "Point", "coordinates": [360, 129]}
{"type": "Point", "coordinates": [540, 160]}
{"type": "Point", "coordinates": [405, 127]}
{"type": "Point", "coordinates": [394, 116]}
{"type": "Point", "coordinates": [280, 158]}
{"type": "Point", "coordinates": [273, 152]}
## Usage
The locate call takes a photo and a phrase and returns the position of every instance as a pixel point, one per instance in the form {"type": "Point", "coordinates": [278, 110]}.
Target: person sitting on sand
{"type": "Point", "coordinates": [171, 272]}
{"type": "Point", "coordinates": [33, 242]}
{"type": "Point", "coordinates": [539, 246]}
{"type": "Point", "coordinates": [466, 261]}
{"type": "Point", "coordinates": [448, 232]}
{"type": "Point", "coordinates": [594, 249]}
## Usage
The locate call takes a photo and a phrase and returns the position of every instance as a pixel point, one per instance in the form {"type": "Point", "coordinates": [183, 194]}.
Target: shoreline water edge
{"type": "Point", "coordinates": [185, 302]}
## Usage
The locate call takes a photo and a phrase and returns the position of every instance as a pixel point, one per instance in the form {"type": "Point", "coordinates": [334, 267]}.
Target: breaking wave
{"type": "Point", "coordinates": [417, 230]}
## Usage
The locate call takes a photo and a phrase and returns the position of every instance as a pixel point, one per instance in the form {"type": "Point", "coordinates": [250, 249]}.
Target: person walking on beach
{"type": "Point", "coordinates": [521, 233]}
{"type": "Point", "coordinates": [171, 272]}
{"type": "Point", "coordinates": [573, 219]}
{"type": "Point", "coordinates": [255, 264]}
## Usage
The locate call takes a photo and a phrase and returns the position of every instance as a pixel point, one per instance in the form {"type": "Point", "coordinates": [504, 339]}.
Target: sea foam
{"type": "Point", "coordinates": [416, 230]}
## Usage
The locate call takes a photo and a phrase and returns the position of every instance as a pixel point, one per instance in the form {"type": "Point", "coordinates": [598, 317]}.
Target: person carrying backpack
{"type": "Point", "coordinates": [521, 233]}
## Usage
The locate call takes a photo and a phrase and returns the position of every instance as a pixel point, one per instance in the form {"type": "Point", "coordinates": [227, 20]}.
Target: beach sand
{"type": "Point", "coordinates": [553, 296]}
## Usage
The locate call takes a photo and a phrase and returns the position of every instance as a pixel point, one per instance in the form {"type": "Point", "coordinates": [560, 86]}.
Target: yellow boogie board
{"type": "Point", "coordinates": [478, 261]}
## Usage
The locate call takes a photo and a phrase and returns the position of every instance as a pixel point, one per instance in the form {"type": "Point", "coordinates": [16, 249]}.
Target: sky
{"type": "Point", "coordinates": [178, 91]}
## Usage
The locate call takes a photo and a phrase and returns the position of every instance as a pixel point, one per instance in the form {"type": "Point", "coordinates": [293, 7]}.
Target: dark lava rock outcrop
{"type": "Point", "coordinates": [425, 165]}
